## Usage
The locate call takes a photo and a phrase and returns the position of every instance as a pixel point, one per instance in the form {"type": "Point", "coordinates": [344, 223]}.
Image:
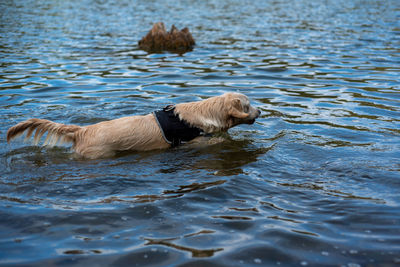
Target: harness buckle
{"type": "Point", "coordinates": [168, 108]}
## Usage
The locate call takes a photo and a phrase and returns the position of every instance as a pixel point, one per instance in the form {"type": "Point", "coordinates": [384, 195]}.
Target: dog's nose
{"type": "Point", "coordinates": [258, 113]}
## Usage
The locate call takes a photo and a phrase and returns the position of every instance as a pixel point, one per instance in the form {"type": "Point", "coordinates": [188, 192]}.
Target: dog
{"type": "Point", "coordinates": [158, 39]}
{"type": "Point", "coordinates": [172, 126]}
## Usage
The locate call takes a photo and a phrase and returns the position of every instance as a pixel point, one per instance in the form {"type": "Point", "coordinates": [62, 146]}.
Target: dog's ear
{"type": "Point", "coordinates": [236, 109]}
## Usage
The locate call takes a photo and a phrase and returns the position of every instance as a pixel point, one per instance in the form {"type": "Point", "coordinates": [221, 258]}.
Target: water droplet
{"type": "Point", "coordinates": [353, 251]}
{"type": "Point", "coordinates": [257, 260]}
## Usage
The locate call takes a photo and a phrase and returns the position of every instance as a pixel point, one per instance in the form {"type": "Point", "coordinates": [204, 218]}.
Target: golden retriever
{"type": "Point", "coordinates": [142, 133]}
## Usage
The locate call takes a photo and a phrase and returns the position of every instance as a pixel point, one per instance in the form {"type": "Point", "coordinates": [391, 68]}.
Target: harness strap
{"type": "Point", "coordinates": [174, 130]}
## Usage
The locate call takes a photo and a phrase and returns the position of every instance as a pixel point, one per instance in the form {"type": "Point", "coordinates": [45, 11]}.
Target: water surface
{"type": "Point", "coordinates": [315, 181]}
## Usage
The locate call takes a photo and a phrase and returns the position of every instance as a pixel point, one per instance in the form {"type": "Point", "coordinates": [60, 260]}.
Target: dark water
{"type": "Point", "coordinates": [316, 181]}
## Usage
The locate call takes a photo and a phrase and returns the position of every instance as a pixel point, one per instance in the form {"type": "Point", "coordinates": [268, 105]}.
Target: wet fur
{"type": "Point", "coordinates": [139, 133]}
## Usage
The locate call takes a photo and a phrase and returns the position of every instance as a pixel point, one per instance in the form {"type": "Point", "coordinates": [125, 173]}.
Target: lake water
{"type": "Point", "coordinates": [315, 181]}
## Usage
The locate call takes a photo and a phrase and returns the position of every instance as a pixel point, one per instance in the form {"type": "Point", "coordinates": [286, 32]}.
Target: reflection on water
{"type": "Point", "coordinates": [313, 182]}
{"type": "Point", "coordinates": [200, 253]}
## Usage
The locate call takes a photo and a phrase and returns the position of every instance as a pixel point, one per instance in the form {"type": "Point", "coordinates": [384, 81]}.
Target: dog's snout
{"type": "Point", "coordinates": [258, 113]}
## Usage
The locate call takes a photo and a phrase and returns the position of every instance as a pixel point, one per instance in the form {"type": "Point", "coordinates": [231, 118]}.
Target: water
{"type": "Point", "coordinates": [315, 181]}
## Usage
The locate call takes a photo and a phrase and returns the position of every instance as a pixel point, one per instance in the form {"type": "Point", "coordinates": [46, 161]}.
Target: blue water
{"type": "Point", "coordinates": [315, 181]}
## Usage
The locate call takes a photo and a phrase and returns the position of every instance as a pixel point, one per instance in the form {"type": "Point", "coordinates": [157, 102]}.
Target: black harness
{"type": "Point", "coordinates": [174, 130]}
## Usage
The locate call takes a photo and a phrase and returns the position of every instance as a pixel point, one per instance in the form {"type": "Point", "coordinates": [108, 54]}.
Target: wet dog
{"type": "Point", "coordinates": [162, 129]}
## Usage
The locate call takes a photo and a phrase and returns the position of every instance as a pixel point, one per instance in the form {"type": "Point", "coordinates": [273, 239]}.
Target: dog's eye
{"type": "Point", "coordinates": [246, 108]}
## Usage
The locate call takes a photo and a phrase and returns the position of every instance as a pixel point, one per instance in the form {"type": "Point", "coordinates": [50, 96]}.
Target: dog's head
{"type": "Point", "coordinates": [239, 110]}
{"type": "Point", "coordinates": [218, 113]}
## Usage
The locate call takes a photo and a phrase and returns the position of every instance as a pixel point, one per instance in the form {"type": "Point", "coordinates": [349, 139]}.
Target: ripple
{"type": "Point", "coordinates": [197, 253]}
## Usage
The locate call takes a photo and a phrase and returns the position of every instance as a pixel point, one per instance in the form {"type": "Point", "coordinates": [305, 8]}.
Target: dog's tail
{"type": "Point", "coordinates": [56, 132]}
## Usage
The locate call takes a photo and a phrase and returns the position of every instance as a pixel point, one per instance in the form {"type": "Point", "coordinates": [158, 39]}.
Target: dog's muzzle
{"type": "Point", "coordinates": [253, 120]}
